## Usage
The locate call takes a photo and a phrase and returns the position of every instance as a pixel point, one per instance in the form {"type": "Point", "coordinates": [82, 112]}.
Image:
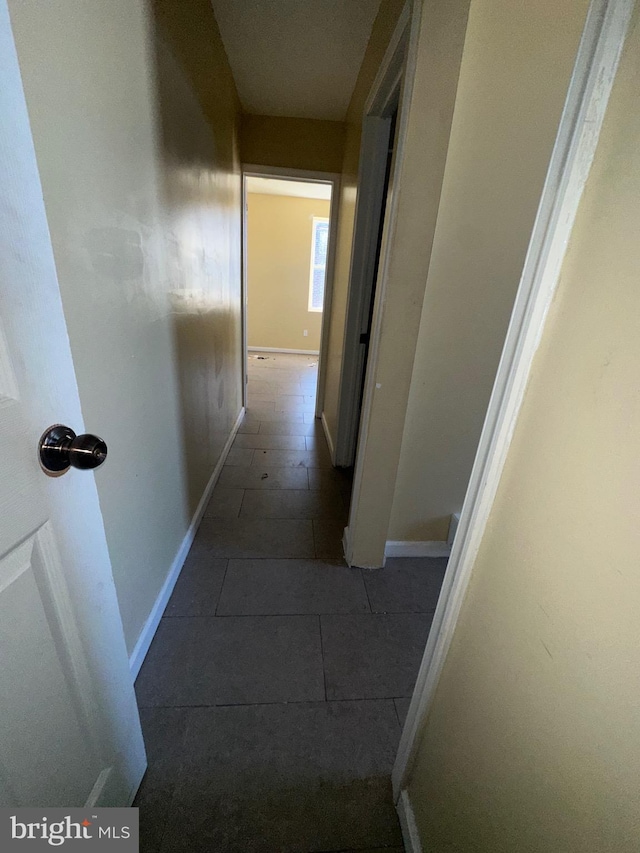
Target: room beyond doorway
{"type": "Point", "coordinates": [288, 246]}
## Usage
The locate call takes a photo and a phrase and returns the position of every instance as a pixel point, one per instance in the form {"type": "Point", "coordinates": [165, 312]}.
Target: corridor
{"type": "Point", "coordinates": [273, 694]}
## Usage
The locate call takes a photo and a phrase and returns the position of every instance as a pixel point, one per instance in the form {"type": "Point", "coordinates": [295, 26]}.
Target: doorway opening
{"type": "Point", "coordinates": [288, 227]}
{"type": "Point", "coordinates": [380, 129]}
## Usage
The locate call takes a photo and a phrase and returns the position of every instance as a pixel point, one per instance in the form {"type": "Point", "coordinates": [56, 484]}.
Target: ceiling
{"type": "Point", "coordinates": [298, 189]}
{"type": "Point", "coordinates": [297, 58]}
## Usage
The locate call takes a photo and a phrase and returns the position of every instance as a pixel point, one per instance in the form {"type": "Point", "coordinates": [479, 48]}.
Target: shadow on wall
{"type": "Point", "coordinates": [201, 190]}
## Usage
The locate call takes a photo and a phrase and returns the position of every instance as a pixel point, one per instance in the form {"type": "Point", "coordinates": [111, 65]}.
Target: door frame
{"type": "Point", "coordinates": [576, 141]}
{"type": "Point", "coordinates": [250, 170]}
{"type": "Point", "coordinates": [383, 98]}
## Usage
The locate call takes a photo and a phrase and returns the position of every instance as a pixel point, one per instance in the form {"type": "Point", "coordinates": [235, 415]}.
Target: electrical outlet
{"type": "Point", "coordinates": [306, 333]}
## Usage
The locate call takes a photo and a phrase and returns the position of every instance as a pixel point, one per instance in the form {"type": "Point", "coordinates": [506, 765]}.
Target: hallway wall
{"type": "Point", "coordinates": [513, 79]}
{"type": "Point", "coordinates": [533, 740]}
{"type": "Point", "coordinates": [427, 105]}
{"type": "Point", "coordinates": [279, 237]}
{"type": "Point", "coordinates": [316, 145]}
{"type": "Point", "coordinates": [140, 172]}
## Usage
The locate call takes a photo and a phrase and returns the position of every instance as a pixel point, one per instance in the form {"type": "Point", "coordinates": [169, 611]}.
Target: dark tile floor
{"type": "Point", "coordinates": [273, 695]}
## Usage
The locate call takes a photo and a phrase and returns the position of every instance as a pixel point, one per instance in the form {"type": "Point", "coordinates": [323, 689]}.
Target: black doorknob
{"type": "Point", "coordinates": [60, 449]}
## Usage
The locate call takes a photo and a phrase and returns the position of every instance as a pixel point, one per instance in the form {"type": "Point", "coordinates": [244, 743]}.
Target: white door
{"type": "Point", "coordinates": [69, 728]}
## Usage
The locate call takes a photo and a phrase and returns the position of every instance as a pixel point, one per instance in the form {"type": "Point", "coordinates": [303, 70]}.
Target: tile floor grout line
{"type": "Point", "coordinates": [241, 503]}
{"type": "Point", "coordinates": [366, 591]}
{"type": "Point", "coordinates": [314, 613]}
{"type": "Point", "coordinates": [271, 704]}
{"type": "Point", "coordinates": [224, 577]}
{"type": "Point", "coordinates": [324, 670]}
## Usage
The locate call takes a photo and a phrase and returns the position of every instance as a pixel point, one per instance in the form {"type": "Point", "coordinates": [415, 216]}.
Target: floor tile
{"type": "Point", "coordinates": [274, 428]}
{"type": "Point", "coordinates": [292, 503]}
{"type": "Point", "coordinates": [304, 777]}
{"type": "Point", "coordinates": [256, 537]}
{"type": "Point", "coordinates": [327, 537]}
{"type": "Point", "coordinates": [255, 407]}
{"type": "Point", "coordinates": [293, 388]}
{"type": "Point", "coordinates": [198, 588]}
{"type": "Point", "coordinates": [294, 399]}
{"type": "Point", "coordinates": [316, 442]}
{"type": "Point", "coordinates": [233, 660]}
{"type": "Point", "coordinates": [239, 456]}
{"type": "Point", "coordinates": [275, 442]}
{"type": "Point", "coordinates": [224, 503]}
{"type": "Point", "coordinates": [384, 654]}
{"type": "Point", "coordinates": [291, 586]}
{"type": "Point", "coordinates": [260, 386]}
{"type": "Point", "coordinates": [263, 413]}
{"type": "Point", "coordinates": [163, 730]}
{"type": "Point", "coordinates": [406, 585]}
{"type": "Point", "coordinates": [263, 478]}
{"type": "Point", "coordinates": [402, 708]}
{"type": "Point", "coordinates": [331, 478]}
{"type": "Point", "coordinates": [248, 426]}
{"type": "Point", "coordinates": [299, 774]}
{"type": "Point", "coordinates": [284, 405]}
{"type": "Point", "coordinates": [263, 395]}
{"type": "Point", "coordinates": [293, 458]}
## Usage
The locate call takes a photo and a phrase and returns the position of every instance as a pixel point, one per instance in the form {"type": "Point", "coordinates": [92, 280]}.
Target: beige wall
{"type": "Point", "coordinates": [142, 193]}
{"type": "Point", "coordinates": [437, 36]}
{"type": "Point", "coordinates": [294, 143]}
{"type": "Point", "coordinates": [381, 32]}
{"type": "Point", "coordinates": [533, 743]}
{"type": "Point", "coordinates": [279, 236]}
{"type": "Point", "coordinates": [513, 79]}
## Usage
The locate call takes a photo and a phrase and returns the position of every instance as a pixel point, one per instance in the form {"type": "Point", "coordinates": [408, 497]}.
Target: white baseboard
{"type": "Point", "coordinates": [327, 435]}
{"type": "Point", "coordinates": [277, 349]}
{"type": "Point", "coordinates": [147, 634]}
{"type": "Point", "coordinates": [417, 549]}
{"type": "Point", "coordinates": [408, 824]}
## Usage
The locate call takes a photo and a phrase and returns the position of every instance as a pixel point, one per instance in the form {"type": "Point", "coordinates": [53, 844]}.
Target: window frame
{"type": "Point", "coordinates": [315, 221]}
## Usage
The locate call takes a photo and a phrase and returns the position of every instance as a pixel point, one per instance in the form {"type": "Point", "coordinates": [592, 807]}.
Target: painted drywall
{"type": "Point", "coordinates": [279, 235]}
{"type": "Point", "coordinates": [382, 30]}
{"type": "Point", "coordinates": [202, 204]}
{"type": "Point", "coordinates": [513, 80]}
{"type": "Point", "coordinates": [316, 145]}
{"type": "Point", "coordinates": [295, 58]}
{"type": "Point", "coordinates": [533, 742]}
{"type": "Point", "coordinates": [142, 193]}
{"type": "Point", "coordinates": [427, 104]}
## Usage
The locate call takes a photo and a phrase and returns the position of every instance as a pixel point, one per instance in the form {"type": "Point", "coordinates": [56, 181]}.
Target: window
{"type": "Point", "coordinates": [319, 240]}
